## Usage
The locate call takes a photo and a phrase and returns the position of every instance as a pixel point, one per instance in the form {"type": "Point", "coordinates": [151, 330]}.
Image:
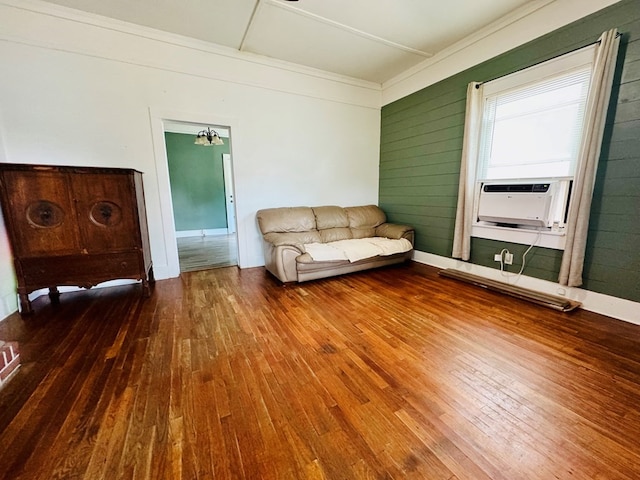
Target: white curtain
{"type": "Point", "coordinates": [470, 145]}
{"type": "Point", "coordinates": [595, 116]}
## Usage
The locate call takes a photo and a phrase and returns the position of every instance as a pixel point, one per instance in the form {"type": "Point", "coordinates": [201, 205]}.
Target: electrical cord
{"type": "Point", "coordinates": [524, 257]}
{"type": "Point", "coordinates": [502, 252]}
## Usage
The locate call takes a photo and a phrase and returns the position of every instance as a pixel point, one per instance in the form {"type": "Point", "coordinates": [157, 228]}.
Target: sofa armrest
{"type": "Point", "coordinates": [281, 250]}
{"type": "Point", "coordinates": [281, 261]}
{"type": "Point", "coordinates": [392, 230]}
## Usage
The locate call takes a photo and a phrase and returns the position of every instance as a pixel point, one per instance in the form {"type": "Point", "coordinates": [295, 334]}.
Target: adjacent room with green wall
{"type": "Point", "coordinates": [197, 183]}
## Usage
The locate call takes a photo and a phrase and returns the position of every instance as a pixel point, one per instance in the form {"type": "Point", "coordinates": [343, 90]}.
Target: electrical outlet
{"type": "Point", "coordinates": [497, 257]}
{"type": "Point", "coordinates": [508, 258]}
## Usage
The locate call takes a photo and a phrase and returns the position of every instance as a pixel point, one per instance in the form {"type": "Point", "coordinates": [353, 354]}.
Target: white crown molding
{"type": "Point", "coordinates": [618, 308]}
{"type": "Point", "coordinates": [98, 21]}
{"type": "Point", "coordinates": [531, 21]}
{"type": "Point", "coordinates": [468, 41]}
{"type": "Point", "coordinates": [375, 104]}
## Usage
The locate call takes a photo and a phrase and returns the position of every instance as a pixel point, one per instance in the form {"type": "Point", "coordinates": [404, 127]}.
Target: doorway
{"type": "Point", "coordinates": [202, 195]}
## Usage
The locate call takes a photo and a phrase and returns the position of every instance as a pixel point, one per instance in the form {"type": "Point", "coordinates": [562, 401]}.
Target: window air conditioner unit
{"type": "Point", "coordinates": [532, 204]}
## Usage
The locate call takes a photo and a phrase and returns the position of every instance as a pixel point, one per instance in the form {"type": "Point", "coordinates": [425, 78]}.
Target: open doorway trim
{"type": "Point", "coordinates": [229, 193]}
{"type": "Point", "coordinates": [158, 117]}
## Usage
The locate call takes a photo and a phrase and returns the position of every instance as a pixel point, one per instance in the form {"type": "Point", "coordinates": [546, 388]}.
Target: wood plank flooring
{"type": "Point", "coordinates": [204, 252]}
{"type": "Point", "coordinates": [395, 373]}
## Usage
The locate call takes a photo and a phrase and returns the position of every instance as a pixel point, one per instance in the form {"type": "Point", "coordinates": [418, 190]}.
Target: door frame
{"type": "Point", "coordinates": [158, 117]}
{"type": "Point", "coordinates": [229, 193]}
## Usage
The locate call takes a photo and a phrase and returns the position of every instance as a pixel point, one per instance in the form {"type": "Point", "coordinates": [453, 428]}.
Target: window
{"type": "Point", "coordinates": [530, 132]}
{"type": "Point", "coordinates": [534, 131]}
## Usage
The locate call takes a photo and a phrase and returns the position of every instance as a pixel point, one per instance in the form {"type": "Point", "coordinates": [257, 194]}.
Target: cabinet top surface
{"type": "Point", "coordinates": [64, 168]}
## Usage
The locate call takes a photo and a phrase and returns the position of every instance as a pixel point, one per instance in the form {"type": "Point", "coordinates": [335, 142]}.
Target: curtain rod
{"type": "Point", "coordinates": [542, 61]}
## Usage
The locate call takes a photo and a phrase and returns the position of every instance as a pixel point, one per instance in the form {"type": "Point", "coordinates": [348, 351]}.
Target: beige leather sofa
{"type": "Point", "coordinates": [287, 230]}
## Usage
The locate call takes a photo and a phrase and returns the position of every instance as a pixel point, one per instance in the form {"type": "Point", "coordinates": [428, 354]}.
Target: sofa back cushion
{"type": "Point", "coordinates": [367, 216]}
{"type": "Point", "coordinates": [286, 219]}
{"type": "Point", "coordinates": [330, 216]}
{"type": "Point", "coordinates": [364, 220]}
{"type": "Point", "coordinates": [332, 223]}
{"type": "Point", "coordinates": [326, 223]}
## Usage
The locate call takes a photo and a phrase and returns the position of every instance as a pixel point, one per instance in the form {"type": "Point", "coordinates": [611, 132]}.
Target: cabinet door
{"type": "Point", "coordinates": [106, 208]}
{"type": "Point", "coordinates": [42, 213]}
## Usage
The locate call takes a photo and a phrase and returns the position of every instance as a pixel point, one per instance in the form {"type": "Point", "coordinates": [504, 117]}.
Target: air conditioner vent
{"type": "Point", "coordinates": [517, 187]}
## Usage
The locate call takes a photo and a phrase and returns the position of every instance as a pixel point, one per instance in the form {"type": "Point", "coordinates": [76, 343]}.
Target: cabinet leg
{"type": "Point", "coordinates": [147, 282]}
{"type": "Point", "coordinates": [25, 304]}
{"type": "Point", "coordinates": [146, 289]}
{"type": "Point", "coordinates": [54, 295]}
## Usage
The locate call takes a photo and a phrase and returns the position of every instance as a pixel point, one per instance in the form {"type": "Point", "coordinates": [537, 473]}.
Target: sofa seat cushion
{"type": "Point", "coordinates": [354, 250]}
{"type": "Point", "coordinates": [306, 261]}
{"type": "Point", "coordinates": [334, 234]}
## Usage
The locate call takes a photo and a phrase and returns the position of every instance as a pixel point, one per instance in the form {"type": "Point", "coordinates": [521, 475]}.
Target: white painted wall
{"type": "Point", "coordinates": [82, 90]}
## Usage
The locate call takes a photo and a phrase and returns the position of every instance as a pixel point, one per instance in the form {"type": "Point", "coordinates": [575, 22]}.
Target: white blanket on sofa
{"type": "Point", "coordinates": [357, 249]}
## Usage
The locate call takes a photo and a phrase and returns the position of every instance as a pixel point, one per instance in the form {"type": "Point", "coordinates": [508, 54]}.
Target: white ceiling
{"type": "Point", "coordinates": [373, 40]}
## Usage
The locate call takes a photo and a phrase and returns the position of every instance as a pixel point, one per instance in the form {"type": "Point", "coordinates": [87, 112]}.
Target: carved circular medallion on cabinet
{"type": "Point", "coordinates": [44, 214]}
{"type": "Point", "coordinates": [105, 214]}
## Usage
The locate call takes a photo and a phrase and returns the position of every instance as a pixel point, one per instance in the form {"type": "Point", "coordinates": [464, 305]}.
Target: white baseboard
{"type": "Point", "coordinates": [202, 233]}
{"type": "Point", "coordinates": [615, 307]}
{"type": "Point", "coordinates": [594, 302]}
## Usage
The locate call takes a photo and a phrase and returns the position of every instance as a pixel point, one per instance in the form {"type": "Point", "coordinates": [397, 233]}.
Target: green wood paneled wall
{"type": "Point", "coordinates": [197, 183]}
{"type": "Point", "coordinates": [421, 144]}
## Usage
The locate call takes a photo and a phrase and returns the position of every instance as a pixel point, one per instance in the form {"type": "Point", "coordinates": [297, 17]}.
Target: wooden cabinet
{"type": "Point", "coordinates": [76, 226]}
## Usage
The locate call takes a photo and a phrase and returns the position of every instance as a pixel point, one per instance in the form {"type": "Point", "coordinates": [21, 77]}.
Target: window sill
{"type": "Point", "coordinates": [521, 235]}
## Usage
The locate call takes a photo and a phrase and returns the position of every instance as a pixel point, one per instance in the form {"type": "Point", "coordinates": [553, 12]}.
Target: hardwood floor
{"type": "Point", "coordinates": [393, 373]}
{"type": "Point", "coordinates": [202, 253]}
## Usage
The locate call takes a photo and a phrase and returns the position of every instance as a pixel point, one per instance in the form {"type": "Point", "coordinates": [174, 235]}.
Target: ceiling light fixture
{"type": "Point", "coordinates": [208, 137]}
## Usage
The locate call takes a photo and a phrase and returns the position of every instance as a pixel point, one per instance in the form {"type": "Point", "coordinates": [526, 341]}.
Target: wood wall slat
{"type": "Point", "coordinates": [612, 222]}
{"type": "Point", "coordinates": [616, 206]}
{"type": "Point", "coordinates": [628, 92]}
{"type": "Point", "coordinates": [630, 72]}
{"type": "Point", "coordinates": [626, 112]}
{"type": "Point", "coordinates": [444, 160]}
{"type": "Point", "coordinates": [623, 168]}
